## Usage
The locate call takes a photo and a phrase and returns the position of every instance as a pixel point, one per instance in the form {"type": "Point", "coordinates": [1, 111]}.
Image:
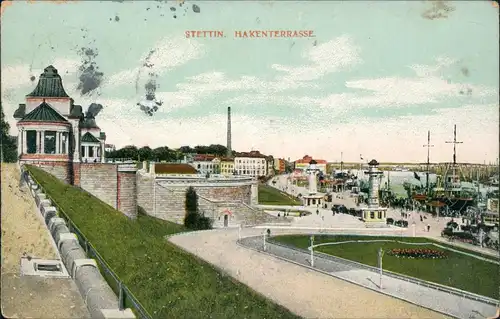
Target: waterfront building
{"type": "Point", "coordinates": [303, 163]}
{"type": "Point", "coordinates": [251, 163]}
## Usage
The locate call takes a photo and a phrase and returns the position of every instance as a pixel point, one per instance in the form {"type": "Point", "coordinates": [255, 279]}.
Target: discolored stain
{"type": "Point", "coordinates": [196, 9]}
{"type": "Point", "coordinates": [315, 43]}
{"type": "Point", "coordinates": [94, 110]}
{"type": "Point", "coordinates": [175, 17]}
{"type": "Point", "coordinates": [465, 71]}
{"type": "Point", "coordinates": [32, 78]}
{"type": "Point", "coordinates": [172, 9]}
{"type": "Point", "coordinates": [90, 78]}
{"type": "Point", "coordinates": [117, 18]}
{"type": "Point", "coordinates": [439, 10]}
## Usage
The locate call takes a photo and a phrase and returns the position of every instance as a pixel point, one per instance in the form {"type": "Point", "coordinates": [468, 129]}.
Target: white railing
{"type": "Point", "coordinates": [421, 282]}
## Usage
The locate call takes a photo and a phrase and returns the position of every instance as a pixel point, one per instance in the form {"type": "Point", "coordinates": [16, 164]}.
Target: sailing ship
{"type": "Point", "coordinates": [448, 193]}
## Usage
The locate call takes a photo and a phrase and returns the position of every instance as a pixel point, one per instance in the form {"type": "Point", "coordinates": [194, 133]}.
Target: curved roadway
{"type": "Point", "coordinates": [306, 292]}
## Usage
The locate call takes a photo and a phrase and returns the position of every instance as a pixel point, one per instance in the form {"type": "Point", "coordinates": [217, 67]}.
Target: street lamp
{"type": "Point", "coordinates": [380, 257]}
{"type": "Point", "coordinates": [312, 251]}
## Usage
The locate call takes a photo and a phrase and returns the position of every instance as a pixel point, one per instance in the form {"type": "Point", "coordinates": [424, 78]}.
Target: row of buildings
{"type": "Point", "coordinates": [251, 163]}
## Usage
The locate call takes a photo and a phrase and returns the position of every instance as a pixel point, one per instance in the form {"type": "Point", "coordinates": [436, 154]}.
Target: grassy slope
{"type": "Point", "coordinates": [169, 282]}
{"type": "Point", "coordinates": [269, 195]}
{"type": "Point", "coordinates": [459, 271]}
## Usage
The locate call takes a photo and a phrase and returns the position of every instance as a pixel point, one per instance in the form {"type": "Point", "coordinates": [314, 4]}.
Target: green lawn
{"type": "Point", "coordinates": [168, 281]}
{"type": "Point", "coordinates": [459, 271]}
{"type": "Point", "coordinates": [269, 195]}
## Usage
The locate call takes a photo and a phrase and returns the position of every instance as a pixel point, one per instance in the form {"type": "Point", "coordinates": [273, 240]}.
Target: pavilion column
{"type": "Point", "coordinates": [102, 153]}
{"type": "Point", "coordinates": [25, 142]}
{"type": "Point", "coordinates": [38, 143]}
{"type": "Point", "coordinates": [58, 143]}
{"type": "Point", "coordinates": [67, 143]}
{"type": "Point", "coordinates": [20, 142]}
{"type": "Point", "coordinates": [42, 142]}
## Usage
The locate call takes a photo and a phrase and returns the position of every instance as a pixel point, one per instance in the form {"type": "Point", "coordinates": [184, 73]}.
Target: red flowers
{"type": "Point", "coordinates": [421, 253]}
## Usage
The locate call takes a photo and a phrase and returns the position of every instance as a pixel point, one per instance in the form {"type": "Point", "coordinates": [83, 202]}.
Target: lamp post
{"type": "Point", "coordinates": [312, 251]}
{"type": "Point", "coordinates": [380, 257]}
{"type": "Point", "coordinates": [239, 232]}
{"type": "Point", "coordinates": [264, 239]}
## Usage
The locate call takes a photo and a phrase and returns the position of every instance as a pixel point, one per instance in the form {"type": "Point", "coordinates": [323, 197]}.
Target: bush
{"type": "Point", "coordinates": [193, 219]}
{"type": "Point", "coordinates": [390, 221]}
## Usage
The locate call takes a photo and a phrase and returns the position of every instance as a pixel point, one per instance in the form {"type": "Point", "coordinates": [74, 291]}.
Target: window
{"type": "Point", "coordinates": [91, 151]}
{"type": "Point", "coordinates": [379, 215]}
{"type": "Point", "coordinates": [199, 166]}
{"type": "Point", "coordinates": [83, 151]}
{"type": "Point", "coordinates": [64, 141]}
{"type": "Point", "coordinates": [372, 215]}
{"type": "Point", "coordinates": [30, 142]}
{"type": "Point", "coordinates": [49, 142]}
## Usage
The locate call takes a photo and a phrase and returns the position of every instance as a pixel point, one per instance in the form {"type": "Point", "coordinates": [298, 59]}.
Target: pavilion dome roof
{"type": "Point", "coordinates": [49, 84]}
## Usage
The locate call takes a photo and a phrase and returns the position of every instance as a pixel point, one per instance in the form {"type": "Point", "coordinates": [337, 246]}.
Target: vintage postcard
{"type": "Point", "coordinates": [250, 159]}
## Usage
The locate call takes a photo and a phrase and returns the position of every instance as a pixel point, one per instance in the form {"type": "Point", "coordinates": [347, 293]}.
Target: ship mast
{"type": "Point", "coordinates": [428, 160]}
{"type": "Point", "coordinates": [454, 142]}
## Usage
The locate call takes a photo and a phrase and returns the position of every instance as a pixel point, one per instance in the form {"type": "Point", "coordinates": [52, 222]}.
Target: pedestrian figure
{"type": "Point", "coordinates": [428, 228]}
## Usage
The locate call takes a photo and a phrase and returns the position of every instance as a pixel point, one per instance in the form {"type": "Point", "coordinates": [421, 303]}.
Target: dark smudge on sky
{"type": "Point", "coordinates": [90, 78]}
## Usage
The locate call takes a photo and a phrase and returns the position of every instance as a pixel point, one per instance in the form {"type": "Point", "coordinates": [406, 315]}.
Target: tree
{"type": "Point", "coordinates": [8, 143]}
{"type": "Point", "coordinates": [145, 153]}
{"type": "Point", "coordinates": [193, 219]}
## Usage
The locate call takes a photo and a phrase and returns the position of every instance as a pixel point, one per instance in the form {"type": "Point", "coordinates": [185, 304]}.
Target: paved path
{"type": "Point", "coordinates": [306, 292]}
{"type": "Point", "coordinates": [428, 297]}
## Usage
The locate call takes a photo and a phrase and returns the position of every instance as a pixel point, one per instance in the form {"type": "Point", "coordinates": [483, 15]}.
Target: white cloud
{"type": "Point", "coordinates": [166, 55]}
{"type": "Point", "coordinates": [18, 76]}
{"type": "Point", "coordinates": [425, 88]}
{"type": "Point", "coordinates": [433, 70]}
{"type": "Point", "coordinates": [331, 56]}
{"type": "Point", "coordinates": [386, 140]}
{"type": "Point", "coordinates": [324, 58]}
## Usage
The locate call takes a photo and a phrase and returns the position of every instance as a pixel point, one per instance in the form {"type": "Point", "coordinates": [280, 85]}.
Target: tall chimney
{"type": "Point", "coordinates": [229, 149]}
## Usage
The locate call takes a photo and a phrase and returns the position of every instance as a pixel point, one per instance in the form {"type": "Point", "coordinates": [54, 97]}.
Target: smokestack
{"type": "Point", "coordinates": [229, 149]}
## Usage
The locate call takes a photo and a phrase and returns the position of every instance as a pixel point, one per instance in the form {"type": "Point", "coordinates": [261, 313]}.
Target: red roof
{"type": "Point", "coordinates": [307, 159]}
{"type": "Point", "coordinates": [252, 154]}
{"type": "Point", "coordinates": [203, 157]}
{"type": "Point", "coordinates": [174, 169]}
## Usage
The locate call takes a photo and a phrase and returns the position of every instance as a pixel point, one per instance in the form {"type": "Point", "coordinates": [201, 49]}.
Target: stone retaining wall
{"type": "Point", "coordinates": [101, 181]}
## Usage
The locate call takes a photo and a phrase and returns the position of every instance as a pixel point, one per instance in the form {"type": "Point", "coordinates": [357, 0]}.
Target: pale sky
{"type": "Point", "coordinates": [376, 76]}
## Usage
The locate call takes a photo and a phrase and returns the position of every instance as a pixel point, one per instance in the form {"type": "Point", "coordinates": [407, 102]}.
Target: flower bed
{"type": "Point", "coordinates": [417, 253]}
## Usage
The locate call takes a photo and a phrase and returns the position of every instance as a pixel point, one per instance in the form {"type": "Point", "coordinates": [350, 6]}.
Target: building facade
{"type": "Point", "coordinates": [53, 128]}
{"type": "Point", "coordinates": [279, 165]}
{"type": "Point", "coordinates": [227, 166]}
{"type": "Point", "coordinates": [206, 164]}
{"type": "Point", "coordinates": [250, 164]}
{"type": "Point", "coordinates": [55, 135]}
{"type": "Point", "coordinates": [303, 164]}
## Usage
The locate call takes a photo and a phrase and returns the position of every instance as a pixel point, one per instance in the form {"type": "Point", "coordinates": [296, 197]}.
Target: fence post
{"type": "Point", "coordinates": [120, 296]}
